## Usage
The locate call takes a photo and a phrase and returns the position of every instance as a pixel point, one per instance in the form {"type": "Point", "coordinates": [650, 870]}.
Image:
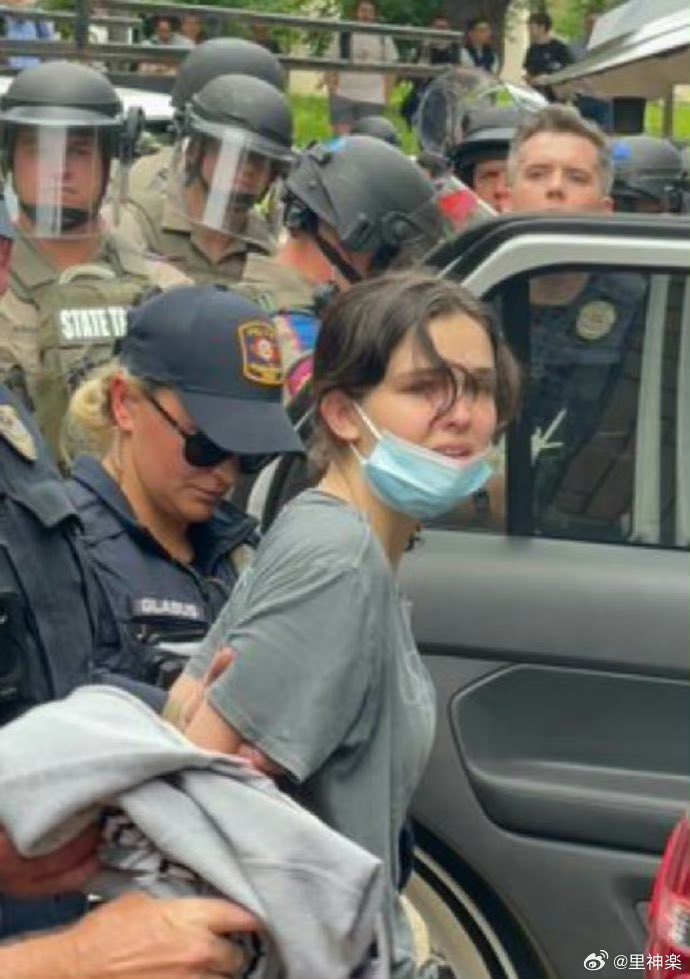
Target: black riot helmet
{"type": "Point", "coordinates": [648, 175]}
{"type": "Point", "coordinates": [685, 160]}
{"type": "Point", "coordinates": [235, 139]}
{"type": "Point", "coordinates": [59, 101]}
{"type": "Point", "coordinates": [224, 56]}
{"type": "Point", "coordinates": [379, 127]}
{"type": "Point", "coordinates": [375, 199]}
{"type": "Point", "coordinates": [246, 103]}
{"type": "Point", "coordinates": [486, 135]}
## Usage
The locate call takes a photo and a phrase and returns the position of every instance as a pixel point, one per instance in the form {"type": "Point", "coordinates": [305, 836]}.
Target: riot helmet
{"type": "Point", "coordinates": [236, 138]}
{"type": "Point", "coordinates": [459, 93]}
{"type": "Point", "coordinates": [486, 135]}
{"type": "Point", "coordinates": [648, 175]}
{"type": "Point", "coordinates": [379, 127]}
{"type": "Point", "coordinates": [685, 160]}
{"type": "Point", "coordinates": [224, 56]}
{"type": "Point", "coordinates": [62, 126]}
{"type": "Point", "coordinates": [376, 200]}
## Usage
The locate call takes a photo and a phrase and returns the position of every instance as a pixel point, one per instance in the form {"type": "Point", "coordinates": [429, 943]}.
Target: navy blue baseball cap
{"type": "Point", "coordinates": [219, 352]}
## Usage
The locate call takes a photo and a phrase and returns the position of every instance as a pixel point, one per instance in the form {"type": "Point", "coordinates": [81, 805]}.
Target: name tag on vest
{"type": "Point", "coordinates": [92, 325]}
{"type": "Point", "coordinates": [167, 608]}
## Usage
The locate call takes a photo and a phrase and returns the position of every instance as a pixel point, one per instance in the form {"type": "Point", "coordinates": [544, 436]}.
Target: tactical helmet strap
{"type": "Point", "coordinates": [71, 218]}
{"type": "Point", "coordinates": [336, 259]}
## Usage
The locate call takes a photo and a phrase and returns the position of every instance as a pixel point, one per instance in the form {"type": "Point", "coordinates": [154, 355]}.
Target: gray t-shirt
{"type": "Point", "coordinates": [328, 681]}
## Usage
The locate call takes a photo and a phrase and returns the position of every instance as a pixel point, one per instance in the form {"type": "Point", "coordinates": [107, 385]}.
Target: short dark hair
{"type": "Point", "coordinates": [475, 22]}
{"type": "Point", "coordinates": [558, 119]}
{"type": "Point", "coordinates": [364, 326]}
{"type": "Point", "coordinates": [542, 19]}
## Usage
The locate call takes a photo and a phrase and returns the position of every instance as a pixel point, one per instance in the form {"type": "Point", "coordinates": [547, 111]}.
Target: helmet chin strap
{"type": "Point", "coordinates": [71, 218]}
{"type": "Point", "coordinates": [349, 272]}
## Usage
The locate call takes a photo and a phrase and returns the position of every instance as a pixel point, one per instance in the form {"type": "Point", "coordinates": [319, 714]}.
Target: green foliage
{"type": "Point", "coordinates": [681, 120]}
{"type": "Point", "coordinates": [312, 121]}
{"type": "Point", "coordinates": [569, 15]}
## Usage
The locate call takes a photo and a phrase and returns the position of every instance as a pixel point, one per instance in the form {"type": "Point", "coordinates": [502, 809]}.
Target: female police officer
{"type": "Point", "coordinates": [192, 401]}
{"type": "Point", "coordinates": [411, 383]}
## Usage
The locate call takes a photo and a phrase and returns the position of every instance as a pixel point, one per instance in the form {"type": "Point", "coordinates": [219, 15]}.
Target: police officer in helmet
{"type": "Point", "coordinates": [234, 142]}
{"type": "Point", "coordinates": [71, 280]}
{"type": "Point", "coordinates": [479, 159]}
{"type": "Point", "coordinates": [209, 60]}
{"type": "Point", "coordinates": [353, 207]}
{"type": "Point", "coordinates": [648, 175]}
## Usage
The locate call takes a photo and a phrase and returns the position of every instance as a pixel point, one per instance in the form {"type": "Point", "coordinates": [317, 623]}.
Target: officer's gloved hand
{"type": "Point", "coordinates": [65, 871]}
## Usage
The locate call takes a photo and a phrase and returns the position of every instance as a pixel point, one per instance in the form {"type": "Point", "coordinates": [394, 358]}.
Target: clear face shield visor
{"type": "Point", "coordinates": [219, 174]}
{"type": "Point", "coordinates": [452, 96]}
{"type": "Point", "coordinates": [57, 177]}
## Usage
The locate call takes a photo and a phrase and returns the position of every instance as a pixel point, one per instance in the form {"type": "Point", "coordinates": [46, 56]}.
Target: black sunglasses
{"type": "Point", "coordinates": [199, 451]}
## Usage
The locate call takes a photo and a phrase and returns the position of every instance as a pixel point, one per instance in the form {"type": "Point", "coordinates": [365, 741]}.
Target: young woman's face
{"type": "Point", "coordinates": [411, 401]}
{"type": "Point", "coordinates": [154, 460]}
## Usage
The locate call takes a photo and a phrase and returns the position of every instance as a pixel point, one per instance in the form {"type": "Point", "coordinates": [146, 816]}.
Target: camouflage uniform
{"type": "Point", "coordinates": [55, 326]}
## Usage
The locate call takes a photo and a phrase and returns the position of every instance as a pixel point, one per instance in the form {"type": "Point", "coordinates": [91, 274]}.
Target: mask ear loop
{"type": "Point", "coordinates": [370, 425]}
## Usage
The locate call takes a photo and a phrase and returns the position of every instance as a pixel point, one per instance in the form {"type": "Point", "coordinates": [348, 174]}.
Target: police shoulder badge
{"type": "Point", "coordinates": [14, 431]}
{"type": "Point", "coordinates": [261, 360]}
{"type": "Point", "coordinates": [595, 320]}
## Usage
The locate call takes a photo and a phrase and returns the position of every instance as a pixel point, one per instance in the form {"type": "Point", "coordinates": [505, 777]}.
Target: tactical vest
{"type": "Point", "coordinates": [178, 248]}
{"type": "Point", "coordinates": [47, 607]}
{"type": "Point", "coordinates": [586, 370]}
{"type": "Point", "coordinates": [81, 313]}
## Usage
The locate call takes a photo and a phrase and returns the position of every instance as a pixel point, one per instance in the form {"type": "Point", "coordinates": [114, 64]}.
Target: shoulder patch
{"type": "Point", "coordinates": [261, 360]}
{"type": "Point", "coordinates": [14, 431]}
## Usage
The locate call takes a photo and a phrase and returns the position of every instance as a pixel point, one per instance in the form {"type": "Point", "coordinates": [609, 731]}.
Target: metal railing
{"type": "Point", "coordinates": [81, 48]}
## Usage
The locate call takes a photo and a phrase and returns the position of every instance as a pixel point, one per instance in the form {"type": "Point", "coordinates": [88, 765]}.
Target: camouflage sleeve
{"type": "Point", "coordinates": [166, 276]}
{"type": "Point", "coordinates": [19, 357]}
{"type": "Point", "coordinates": [129, 228]}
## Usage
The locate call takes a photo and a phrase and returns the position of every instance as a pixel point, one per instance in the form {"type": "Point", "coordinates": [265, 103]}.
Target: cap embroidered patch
{"type": "Point", "coordinates": [261, 361]}
{"type": "Point", "coordinates": [14, 431]}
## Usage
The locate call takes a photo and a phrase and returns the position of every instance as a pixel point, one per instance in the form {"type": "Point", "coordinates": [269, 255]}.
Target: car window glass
{"type": "Point", "coordinates": [603, 449]}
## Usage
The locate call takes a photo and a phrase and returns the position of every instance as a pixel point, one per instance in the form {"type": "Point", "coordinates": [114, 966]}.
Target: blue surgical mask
{"type": "Point", "coordinates": [417, 481]}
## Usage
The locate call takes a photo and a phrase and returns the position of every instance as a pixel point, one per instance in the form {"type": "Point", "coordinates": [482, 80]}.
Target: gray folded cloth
{"type": "Point", "coordinates": [213, 824]}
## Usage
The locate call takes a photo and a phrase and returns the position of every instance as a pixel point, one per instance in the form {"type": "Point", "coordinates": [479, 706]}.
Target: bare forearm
{"type": "Point", "coordinates": [53, 956]}
{"type": "Point", "coordinates": [209, 730]}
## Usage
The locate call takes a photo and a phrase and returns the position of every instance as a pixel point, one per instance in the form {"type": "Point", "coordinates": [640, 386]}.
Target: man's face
{"type": "Point", "coordinates": [164, 31]}
{"type": "Point", "coordinates": [480, 35]}
{"type": "Point", "coordinates": [490, 182]}
{"type": "Point", "coordinates": [537, 33]}
{"type": "Point", "coordinates": [366, 11]}
{"type": "Point", "coordinates": [557, 172]}
{"type": "Point", "coordinates": [52, 169]}
{"type": "Point", "coordinates": [192, 27]}
{"type": "Point", "coordinates": [249, 173]}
